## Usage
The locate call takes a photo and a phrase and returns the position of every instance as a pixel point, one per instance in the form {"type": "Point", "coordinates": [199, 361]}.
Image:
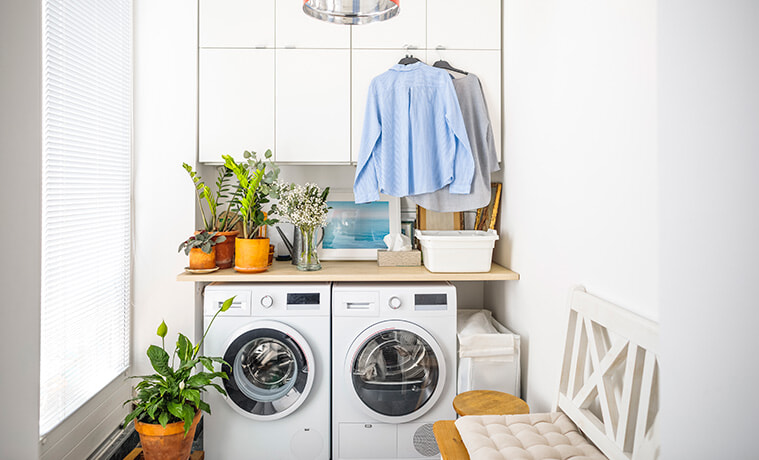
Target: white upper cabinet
{"type": "Point", "coordinates": [236, 23]}
{"type": "Point", "coordinates": [236, 102]}
{"type": "Point", "coordinates": [313, 106]}
{"type": "Point", "coordinates": [486, 64]}
{"type": "Point", "coordinates": [468, 25]}
{"type": "Point", "coordinates": [295, 29]}
{"type": "Point", "coordinates": [367, 64]}
{"type": "Point", "coordinates": [407, 30]}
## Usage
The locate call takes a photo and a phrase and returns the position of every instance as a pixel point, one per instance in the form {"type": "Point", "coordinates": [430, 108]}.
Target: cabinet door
{"type": "Point", "coordinates": [473, 24]}
{"type": "Point", "coordinates": [236, 23]}
{"type": "Point", "coordinates": [313, 106]}
{"type": "Point", "coordinates": [407, 30]}
{"type": "Point", "coordinates": [487, 66]}
{"type": "Point", "coordinates": [236, 102]}
{"type": "Point", "coordinates": [367, 64]}
{"type": "Point", "coordinates": [295, 29]}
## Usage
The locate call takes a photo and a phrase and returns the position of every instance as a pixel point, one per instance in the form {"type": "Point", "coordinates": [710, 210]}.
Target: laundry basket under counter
{"type": "Point", "coordinates": [489, 354]}
{"type": "Point", "coordinates": [450, 251]}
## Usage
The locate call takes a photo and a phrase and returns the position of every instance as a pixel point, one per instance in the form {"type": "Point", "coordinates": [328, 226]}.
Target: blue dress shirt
{"type": "Point", "coordinates": [414, 139]}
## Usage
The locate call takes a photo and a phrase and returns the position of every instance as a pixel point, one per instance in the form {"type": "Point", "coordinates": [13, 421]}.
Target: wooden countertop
{"type": "Point", "coordinates": [365, 270]}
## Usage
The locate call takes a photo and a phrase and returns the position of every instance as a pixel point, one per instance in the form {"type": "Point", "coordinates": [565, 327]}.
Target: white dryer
{"type": "Point", "coordinates": [393, 368]}
{"type": "Point", "coordinates": [275, 338]}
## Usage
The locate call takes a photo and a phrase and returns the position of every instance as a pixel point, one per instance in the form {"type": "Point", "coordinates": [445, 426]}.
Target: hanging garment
{"type": "Point", "coordinates": [477, 121]}
{"type": "Point", "coordinates": [414, 139]}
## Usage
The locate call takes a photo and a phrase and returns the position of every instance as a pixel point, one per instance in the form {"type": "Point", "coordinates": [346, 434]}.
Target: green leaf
{"type": "Point", "coordinates": [204, 407]}
{"type": "Point", "coordinates": [163, 419]}
{"type": "Point", "coordinates": [184, 348]}
{"type": "Point", "coordinates": [189, 414]}
{"type": "Point", "coordinates": [191, 395]}
{"type": "Point", "coordinates": [163, 328]}
{"type": "Point", "coordinates": [159, 359]}
{"type": "Point", "coordinates": [227, 303]}
{"type": "Point", "coordinates": [175, 408]}
{"type": "Point", "coordinates": [207, 362]}
{"type": "Point", "coordinates": [200, 379]}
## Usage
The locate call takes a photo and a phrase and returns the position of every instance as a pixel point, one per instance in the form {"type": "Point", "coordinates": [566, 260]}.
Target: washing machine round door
{"type": "Point", "coordinates": [271, 370]}
{"type": "Point", "coordinates": [396, 370]}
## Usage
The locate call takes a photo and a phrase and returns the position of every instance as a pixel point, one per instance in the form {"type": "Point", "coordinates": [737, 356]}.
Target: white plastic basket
{"type": "Point", "coordinates": [450, 251]}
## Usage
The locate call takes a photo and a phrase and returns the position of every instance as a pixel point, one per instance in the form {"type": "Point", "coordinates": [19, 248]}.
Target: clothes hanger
{"type": "Point", "coordinates": [409, 59]}
{"type": "Point", "coordinates": [441, 64]}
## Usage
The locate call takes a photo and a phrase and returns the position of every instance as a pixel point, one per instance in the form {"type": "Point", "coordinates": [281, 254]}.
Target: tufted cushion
{"type": "Point", "coordinates": [525, 437]}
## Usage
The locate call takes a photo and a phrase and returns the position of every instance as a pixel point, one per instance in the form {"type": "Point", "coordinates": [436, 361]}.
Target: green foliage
{"type": "Point", "coordinates": [203, 240]}
{"type": "Point", "coordinates": [251, 197]}
{"type": "Point", "coordinates": [173, 394]}
{"type": "Point", "coordinates": [218, 222]}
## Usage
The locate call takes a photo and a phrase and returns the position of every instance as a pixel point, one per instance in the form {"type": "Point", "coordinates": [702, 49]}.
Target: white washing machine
{"type": "Point", "coordinates": [275, 338]}
{"type": "Point", "coordinates": [393, 368]}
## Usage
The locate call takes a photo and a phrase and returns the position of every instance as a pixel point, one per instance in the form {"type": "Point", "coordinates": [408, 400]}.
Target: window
{"type": "Point", "coordinates": [86, 210]}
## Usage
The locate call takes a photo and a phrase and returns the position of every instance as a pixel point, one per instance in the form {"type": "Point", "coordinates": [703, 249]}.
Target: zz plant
{"type": "Point", "coordinates": [174, 392]}
{"type": "Point", "coordinates": [216, 221]}
{"type": "Point", "coordinates": [250, 198]}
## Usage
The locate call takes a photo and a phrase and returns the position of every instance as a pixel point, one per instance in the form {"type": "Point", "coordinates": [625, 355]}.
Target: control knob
{"type": "Point", "coordinates": [267, 301]}
{"type": "Point", "coordinates": [394, 302]}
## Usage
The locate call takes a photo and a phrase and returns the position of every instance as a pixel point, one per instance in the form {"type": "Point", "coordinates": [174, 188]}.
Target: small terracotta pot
{"type": "Point", "coordinates": [200, 260]}
{"type": "Point", "coordinates": [170, 443]}
{"type": "Point", "coordinates": [251, 255]}
{"type": "Point", "coordinates": [225, 251]}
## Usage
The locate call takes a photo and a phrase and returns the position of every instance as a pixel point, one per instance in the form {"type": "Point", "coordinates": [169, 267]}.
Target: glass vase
{"type": "Point", "coordinates": [308, 259]}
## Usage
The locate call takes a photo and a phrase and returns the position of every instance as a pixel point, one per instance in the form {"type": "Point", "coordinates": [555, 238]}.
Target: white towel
{"type": "Point", "coordinates": [478, 338]}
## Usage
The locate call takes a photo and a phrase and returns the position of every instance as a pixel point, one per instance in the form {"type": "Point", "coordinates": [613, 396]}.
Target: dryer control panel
{"type": "Point", "coordinates": [393, 299]}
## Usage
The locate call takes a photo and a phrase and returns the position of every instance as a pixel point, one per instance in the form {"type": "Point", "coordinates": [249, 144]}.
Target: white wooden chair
{"type": "Point", "coordinates": [608, 389]}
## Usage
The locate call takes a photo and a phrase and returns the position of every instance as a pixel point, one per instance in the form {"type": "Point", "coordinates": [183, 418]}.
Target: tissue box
{"type": "Point", "coordinates": [387, 258]}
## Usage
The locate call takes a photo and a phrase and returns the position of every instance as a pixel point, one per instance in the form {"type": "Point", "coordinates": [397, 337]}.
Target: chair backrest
{"type": "Point", "coordinates": [609, 380]}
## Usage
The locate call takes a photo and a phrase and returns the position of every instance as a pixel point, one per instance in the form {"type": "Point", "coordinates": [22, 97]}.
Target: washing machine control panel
{"type": "Point", "coordinates": [267, 301]}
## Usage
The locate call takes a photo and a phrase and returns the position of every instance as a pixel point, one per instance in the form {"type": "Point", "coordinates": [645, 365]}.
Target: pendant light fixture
{"type": "Point", "coordinates": [351, 11]}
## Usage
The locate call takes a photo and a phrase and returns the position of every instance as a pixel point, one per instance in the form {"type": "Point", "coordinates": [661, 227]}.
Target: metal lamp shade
{"type": "Point", "coordinates": [351, 11]}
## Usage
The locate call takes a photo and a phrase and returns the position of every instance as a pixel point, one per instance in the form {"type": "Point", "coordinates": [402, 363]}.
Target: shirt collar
{"type": "Point", "coordinates": [408, 67]}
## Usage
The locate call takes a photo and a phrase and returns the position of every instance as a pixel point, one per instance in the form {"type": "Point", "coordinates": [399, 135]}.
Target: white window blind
{"type": "Point", "coordinates": [87, 110]}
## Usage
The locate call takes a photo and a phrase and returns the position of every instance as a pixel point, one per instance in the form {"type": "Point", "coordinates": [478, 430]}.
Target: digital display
{"type": "Point", "coordinates": [430, 299]}
{"type": "Point", "coordinates": [303, 298]}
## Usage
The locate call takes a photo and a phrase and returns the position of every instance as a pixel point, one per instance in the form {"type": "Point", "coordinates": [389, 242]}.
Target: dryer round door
{"type": "Point", "coordinates": [396, 370]}
{"type": "Point", "coordinates": [271, 370]}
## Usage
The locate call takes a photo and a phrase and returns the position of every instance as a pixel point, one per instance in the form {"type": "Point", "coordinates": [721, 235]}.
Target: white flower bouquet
{"type": "Point", "coordinates": [305, 206]}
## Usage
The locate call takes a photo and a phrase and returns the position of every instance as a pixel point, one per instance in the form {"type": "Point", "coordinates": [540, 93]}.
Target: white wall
{"type": "Point", "coordinates": [709, 186]}
{"type": "Point", "coordinates": [164, 137]}
{"type": "Point", "coordinates": [20, 186]}
{"type": "Point", "coordinates": [580, 170]}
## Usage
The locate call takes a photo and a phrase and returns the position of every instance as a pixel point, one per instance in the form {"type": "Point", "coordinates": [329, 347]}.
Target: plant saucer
{"type": "Point", "coordinates": [199, 271]}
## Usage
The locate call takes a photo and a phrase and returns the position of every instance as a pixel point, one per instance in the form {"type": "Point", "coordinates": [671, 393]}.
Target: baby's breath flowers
{"type": "Point", "coordinates": [304, 206]}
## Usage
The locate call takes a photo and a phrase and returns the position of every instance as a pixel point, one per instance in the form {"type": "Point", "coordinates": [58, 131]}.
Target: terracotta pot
{"type": "Point", "coordinates": [170, 443]}
{"type": "Point", "coordinates": [251, 255]}
{"type": "Point", "coordinates": [225, 251]}
{"type": "Point", "coordinates": [200, 260]}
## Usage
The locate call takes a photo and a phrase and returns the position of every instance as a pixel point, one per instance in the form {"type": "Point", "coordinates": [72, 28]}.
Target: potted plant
{"type": "Point", "coordinates": [168, 403]}
{"type": "Point", "coordinates": [305, 206]}
{"type": "Point", "coordinates": [201, 247]}
{"type": "Point", "coordinates": [251, 250]}
{"type": "Point", "coordinates": [221, 218]}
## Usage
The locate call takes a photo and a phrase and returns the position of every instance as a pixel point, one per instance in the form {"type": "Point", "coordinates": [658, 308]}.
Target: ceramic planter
{"type": "Point", "coordinates": [251, 255]}
{"type": "Point", "coordinates": [199, 260]}
{"type": "Point", "coordinates": [170, 443]}
{"type": "Point", "coordinates": [225, 251]}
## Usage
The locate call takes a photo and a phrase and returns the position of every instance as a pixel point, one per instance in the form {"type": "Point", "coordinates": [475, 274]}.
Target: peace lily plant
{"type": "Point", "coordinates": [174, 392]}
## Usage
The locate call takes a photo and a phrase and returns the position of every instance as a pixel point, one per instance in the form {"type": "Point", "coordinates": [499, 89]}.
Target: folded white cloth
{"type": "Point", "coordinates": [478, 338]}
